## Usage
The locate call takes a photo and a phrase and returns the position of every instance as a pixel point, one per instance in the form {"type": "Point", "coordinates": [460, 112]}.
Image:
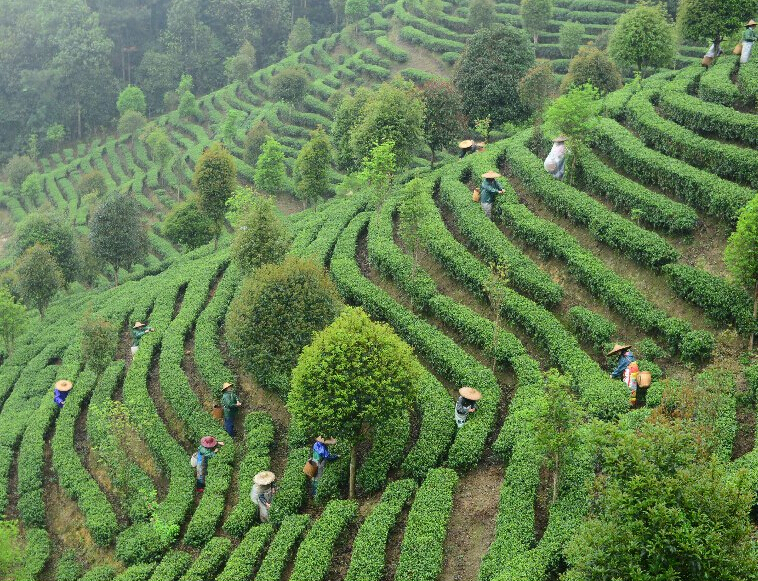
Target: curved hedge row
{"type": "Point", "coordinates": [370, 544]}
{"type": "Point", "coordinates": [429, 42]}
{"type": "Point", "coordinates": [517, 443]}
{"type": "Point", "coordinates": [243, 560]}
{"type": "Point", "coordinates": [655, 209]}
{"type": "Point", "coordinates": [716, 83]}
{"type": "Point", "coordinates": [392, 262]}
{"type": "Point", "coordinates": [172, 566]}
{"type": "Point", "coordinates": [36, 554]}
{"type": "Point", "coordinates": [292, 490]}
{"type": "Point", "coordinates": [722, 301]}
{"type": "Point", "coordinates": [422, 550]}
{"type": "Point", "coordinates": [209, 561]}
{"type": "Point", "coordinates": [279, 552]}
{"type": "Point", "coordinates": [605, 226]}
{"type": "Point", "coordinates": [747, 81]}
{"type": "Point", "coordinates": [590, 327]}
{"type": "Point", "coordinates": [314, 557]}
{"type": "Point", "coordinates": [725, 160]}
{"type": "Point", "coordinates": [677, 104]}
{"type": "Point", "coordinates": [390, 49]}
{"type": "Point", "coordinates": [259, 436]}
{"type": "Point", "coordinates": [99, 517]}
{"type": "Point", "coordinates": [601, 396]}
{"type": "Point", "coordinates": [698, 188]}
{"type": "Point", "coordinates": [524, 274]}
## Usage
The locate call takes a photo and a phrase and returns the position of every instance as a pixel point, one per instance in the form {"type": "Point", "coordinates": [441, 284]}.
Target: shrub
{"type": "Point", "coordinates": [291, 493]}
{"type": "Point", "coordinates": [422, 550]}
{"type": "Point", "coordinates": [314, 557]}
{"type": "Point", "coordinates": [590, 327]}
{"type": "Point", "coordinates": [697, 346]}
{"type": "Point", "coordinates": [649, 349]}
{"type": "Point", "coordinates": [254, 140]}
{"type": "Point", "coordinates": [245, 557]}
{"type": "Point", "coordinates": [18, 169]}
{"type": "Point", "coordinates": [592, 66]}
{"type": "Point", "coordinates": [99, 573]}
{"type": "Point", "coordinates": [570, 38]}
{"type": "Point", "coordinates": [172, 566]}
{"type": "Point", "coordinates": [280, 549]}
{"type": "Point", "coordinates": [209, 561]}
{"type": "Point", "coordinates": [69, 567]}
{"type": "Point", "coordinates": [290, 85]}
{"type": "Point", "coordinates": [99, 342]}
{"type": "Point", "coordinates": [370, 544]}
{"type": "Point", "coordinates": [188, 226]}
{"type": "Point", "coordinates": [274, 316]}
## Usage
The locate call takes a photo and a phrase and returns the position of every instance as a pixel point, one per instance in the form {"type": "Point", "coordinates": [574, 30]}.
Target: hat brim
{"type": "Point", "coordinates": [227, 386]}
{"type": "Point", "coordinates": [470, 393]}
{"type": "Point", "coordinates": [491, 175]}
{"type": "Point", "coordinates": [560, 139]}
{"type": "Point", "coordinates": [63, 385]}
{"type": "Point", "coordinates": [139, 325]}
{"type": "Point", "coordinates": [208, 441]}
{"type": "Point", "coordinates": [327, 441]}
{"type": "Point", "coordinates": [466, 143]}
{"type": "Point", "coordinates": [264, 478]}
{"type": "Point", "coordinates": [618, 348]}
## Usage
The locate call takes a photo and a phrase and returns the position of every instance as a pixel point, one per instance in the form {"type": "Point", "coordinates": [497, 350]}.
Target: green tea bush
{"type": "Point", "coordinates": [697, 346]}
{"type": "Point", "coordinates": [422, 550]}
{"type": "Point", "coordinates": [244, 558]}
{"type": "Point", "coordinates": [209, 561]}
{"type": "Point", "coordinates": [590, 327]}
{"type": "Point", "coordinates": [314, 557]}
{"type": "Point", "coordinates": [370, 544]}
{"type": "Point", "coordinates": [172, 566]}
{"type": "Point", "coordinates": [280, 551]}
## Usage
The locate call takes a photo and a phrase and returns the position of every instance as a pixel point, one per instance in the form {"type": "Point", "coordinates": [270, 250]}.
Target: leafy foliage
{"type": "Point", "coordinates": [313, 167]}
{"type": "Point", "coordinates": [187, 225]}
{"type": "Point", "coordinates": [290, 85]}
{"type": "Point", "coordinates": [592, 66]}
{"type": "Point", "coordinates": [534, 15]}
{"type": "Point", "coordinates": [300, 36]}
{"type": "Point", "coordinates": [39, 277]}
{"type": "Point", "coordinates": [643, 38]}
{"type": "Point", "coordinates": [56, 235]}
{"type": "Point", "coordinates": [570, 38]}
{"type": "Point", "coordinates": [214, 180]}
{"type": "Point", "coordinates": [270, 171]}
{"type": "Point", "coordinates": [274, 316]}
{"type": "Point", "coordinates": [12, 319]}
{"type": "Point", "coordinates": [98, 344]}
{"type": "Point", "coordinates": [488, 72]}
{"type": "Point", "coordinates": [261, 236]}
{"type": "Point", "coordinates": [254, 140]}
{"type": "Point", "coordinates": [242, 65]}
{"type": "Point", "coordinates": [443, 115]}
{"type": "Point", "coordinates": [712, 19]}
{"type": "Point", "coordinates": [482, 14]}
{"type": "Point", "coordinates": [117, 234]}
{"type": "Point", "coordinates": [538, 86]}
{"type": "Point", "coordinates": [131, 99]}
{"type": "Point", "coordinates": [18, 169]}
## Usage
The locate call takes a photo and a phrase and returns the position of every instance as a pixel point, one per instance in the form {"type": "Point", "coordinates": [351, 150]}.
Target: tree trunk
{"type": "Point", "coordinates": [79, 119]}
{"type": "Point", "coordinates": [215, 242]}
{"type": "Point", "coordinates": [433, 158]}
{"type": "Point", "coordinates": [353, 463]}
{"type": "Point", "coordinates": [755, 315]}
{"type": "Point", "coordinates": [555, 483]}
{"type": "Point", "coordinates": [116, 273]}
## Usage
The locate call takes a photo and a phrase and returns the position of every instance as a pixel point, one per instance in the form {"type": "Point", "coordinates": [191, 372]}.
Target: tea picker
{"type": "Point", "coordinates": [61, 391]}
{"type": "Point", "coordinates": [627, 369]}
{"type": "Point", "coordinates": [138, 331]}
{"type": "Point", "coordinates": [466, 404]}
{"type": "Point", "coordinates": [231, 403]}
{"type": "Point", "coordinates": [262, 492]}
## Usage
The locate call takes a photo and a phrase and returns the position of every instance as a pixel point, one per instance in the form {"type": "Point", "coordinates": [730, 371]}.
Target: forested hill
{"type": "Point", "coordinates": [312, 220]}
{"type": "Point", "coordinates": [64, 62]}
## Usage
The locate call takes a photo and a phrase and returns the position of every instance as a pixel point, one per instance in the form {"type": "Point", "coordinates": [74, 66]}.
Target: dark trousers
{"type": "Point", "coordinates": [229, 425]}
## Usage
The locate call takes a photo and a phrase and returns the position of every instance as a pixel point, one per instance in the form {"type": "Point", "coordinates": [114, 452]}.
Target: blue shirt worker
{"type": "Point", "coordinates": [322, 455]}
{"type": "Point", "coordinates": [60, 393]}
{"type": "Point", "coordinates": [626, 359]}
{"type": "Point", "coordinates": [490, 188]}
{"type": "Point", "coordinates": [138, 331]}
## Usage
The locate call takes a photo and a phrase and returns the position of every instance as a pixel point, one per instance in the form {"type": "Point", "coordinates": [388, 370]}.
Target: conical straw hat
{"type": "Point", "coordinates": [63, 385]}
{"type": "Point", "coordinates": [617, 348]}
{"type": "Point", "coordinates": [491, 175]}
{"type": "Point", "coordinates": [470, 393]}
{"type": "Point", "coordinates": [264, 477]}
{"type": "Point", "coordinates": [466, 143]}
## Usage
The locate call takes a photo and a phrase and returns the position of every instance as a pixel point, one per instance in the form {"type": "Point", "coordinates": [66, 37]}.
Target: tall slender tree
{"type": "Point", "coordinates": [214, 181]}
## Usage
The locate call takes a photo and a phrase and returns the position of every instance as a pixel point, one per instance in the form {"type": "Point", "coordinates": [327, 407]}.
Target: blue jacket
{"type": "Point", "coordinates": [623, 363]}
{"type": "Point", "coordinates": [321, 452]}
{"type": "Point", "coordinates": [489, 190]}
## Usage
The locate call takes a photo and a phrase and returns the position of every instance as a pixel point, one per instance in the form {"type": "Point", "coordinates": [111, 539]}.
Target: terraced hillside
{"type": "Point", "coordinates": [399, 40]}
{"type": "Point", "coordinates": [631, 249]}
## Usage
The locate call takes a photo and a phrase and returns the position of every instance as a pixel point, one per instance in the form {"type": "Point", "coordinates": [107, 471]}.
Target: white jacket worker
{"type": "Point", "coordinates": [262, 492]}
{"type": "Point", "coordinates": [555, 162]}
